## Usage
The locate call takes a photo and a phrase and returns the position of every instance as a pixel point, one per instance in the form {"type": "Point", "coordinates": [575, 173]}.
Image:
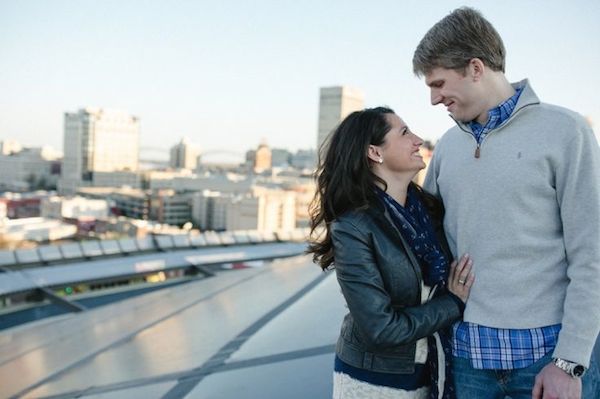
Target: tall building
{"type": "Point", "coordinates": [184, 155]}
{"type": "Point", "coordinates": [335, 103]}
{"type": "Point", "coordinates": [262, 158]}
{"type": "Point", "coordinates": [98, 140]}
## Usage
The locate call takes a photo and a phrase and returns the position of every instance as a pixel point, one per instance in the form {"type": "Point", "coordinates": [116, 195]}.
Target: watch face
{"type": "Point", "coordinates": [578, 370]}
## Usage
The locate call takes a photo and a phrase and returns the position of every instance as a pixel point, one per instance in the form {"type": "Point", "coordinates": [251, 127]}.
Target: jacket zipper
{"type": "Point", "coordinates": [478, 148]}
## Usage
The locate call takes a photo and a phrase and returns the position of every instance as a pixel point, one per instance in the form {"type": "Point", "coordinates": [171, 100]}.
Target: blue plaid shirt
{"type": "Point", "coordinates": [496, 117]}
{"type": "Point", "coordinates": [501, 348]}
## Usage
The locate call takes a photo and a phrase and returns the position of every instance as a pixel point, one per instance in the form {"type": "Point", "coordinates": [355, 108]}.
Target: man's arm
{"type": "Point", "coordinates": [578, 195]}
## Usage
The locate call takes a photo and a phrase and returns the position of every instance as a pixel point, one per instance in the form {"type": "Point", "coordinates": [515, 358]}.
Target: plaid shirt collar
{"type": "Point", "coordinates": [496, 116]}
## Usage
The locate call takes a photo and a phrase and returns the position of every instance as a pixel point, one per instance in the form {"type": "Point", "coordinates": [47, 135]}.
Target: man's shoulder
{"type": "Point", "coordinates": [558, 116]}
{"type": "Point", "coordinates": [557, 125]}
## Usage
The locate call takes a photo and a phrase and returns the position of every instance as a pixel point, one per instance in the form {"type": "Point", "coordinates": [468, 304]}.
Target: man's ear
{"type": "Point", "coordinates": [476, 69]}
{"type": "Point", "coordinates": [374, 153]}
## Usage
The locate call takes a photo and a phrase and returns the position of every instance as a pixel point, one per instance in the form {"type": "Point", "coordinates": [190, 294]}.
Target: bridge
{"type": "Point", "coordinates": [160, 156]}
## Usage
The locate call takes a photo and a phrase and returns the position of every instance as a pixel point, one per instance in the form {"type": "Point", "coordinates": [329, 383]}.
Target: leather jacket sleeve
{"type": "Point", "coordinates": [381, 323]}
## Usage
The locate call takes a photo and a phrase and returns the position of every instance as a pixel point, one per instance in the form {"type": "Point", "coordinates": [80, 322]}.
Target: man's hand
{"type": "Point", "coordinates": [553, 383]}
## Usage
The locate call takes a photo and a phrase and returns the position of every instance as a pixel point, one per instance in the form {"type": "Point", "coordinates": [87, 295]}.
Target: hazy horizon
{"type": "Point", "coordinates": [230, 74]}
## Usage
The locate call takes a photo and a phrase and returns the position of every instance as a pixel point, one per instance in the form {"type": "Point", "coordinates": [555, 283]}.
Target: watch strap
{"type": "Point", "coordinates": [573, 369]}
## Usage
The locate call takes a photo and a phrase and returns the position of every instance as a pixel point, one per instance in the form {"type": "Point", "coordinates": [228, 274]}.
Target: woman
{"type": "Point", "coordinates": [390, 264]}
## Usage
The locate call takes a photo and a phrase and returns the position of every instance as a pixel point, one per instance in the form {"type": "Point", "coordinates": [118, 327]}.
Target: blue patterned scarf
{"type": "Point", "coordinates": [414, 223]}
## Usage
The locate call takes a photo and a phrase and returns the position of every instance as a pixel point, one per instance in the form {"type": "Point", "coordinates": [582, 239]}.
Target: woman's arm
{"type": "Point", "coordinates": [369, 302]}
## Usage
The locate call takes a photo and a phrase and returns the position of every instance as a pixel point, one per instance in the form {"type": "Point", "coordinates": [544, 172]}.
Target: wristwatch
{"type": "Point", "coordinates": [573, 369]}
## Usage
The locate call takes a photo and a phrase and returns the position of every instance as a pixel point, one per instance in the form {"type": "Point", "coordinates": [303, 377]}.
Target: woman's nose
{"type": "Point", "coordinates": [418, 141]}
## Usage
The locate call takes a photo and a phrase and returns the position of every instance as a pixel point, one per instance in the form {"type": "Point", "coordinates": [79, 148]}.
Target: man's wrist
{"type": "Point", "coordinates": [575, 370]}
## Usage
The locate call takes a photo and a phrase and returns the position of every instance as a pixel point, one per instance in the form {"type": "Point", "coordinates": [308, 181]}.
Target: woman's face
{"type": "Point", "coordinates": [400, 148]}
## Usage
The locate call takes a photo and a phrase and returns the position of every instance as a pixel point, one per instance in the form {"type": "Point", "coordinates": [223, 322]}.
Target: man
{"type": "Point", "coordinates": [520, 181]}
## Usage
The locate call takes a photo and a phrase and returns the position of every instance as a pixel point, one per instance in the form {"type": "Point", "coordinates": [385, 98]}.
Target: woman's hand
{"type": "Point", "coordinates": [461, 277]}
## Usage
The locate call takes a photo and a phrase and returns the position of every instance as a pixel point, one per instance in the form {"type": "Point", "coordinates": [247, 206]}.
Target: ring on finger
{"type": "Point", "coordinates": [462, 281]}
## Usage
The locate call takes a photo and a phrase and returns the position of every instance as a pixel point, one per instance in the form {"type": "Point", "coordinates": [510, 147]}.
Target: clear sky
{"type": "Point", "coordinates": [228, 74]}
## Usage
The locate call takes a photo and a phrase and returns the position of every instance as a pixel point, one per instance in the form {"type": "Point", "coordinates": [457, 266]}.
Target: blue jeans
{"type": "Point", "coordinates": [472, 383]}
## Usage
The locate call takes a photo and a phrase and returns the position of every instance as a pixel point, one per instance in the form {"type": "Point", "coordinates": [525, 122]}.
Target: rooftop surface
{"type": "Point", "coordinates": [266, 332]}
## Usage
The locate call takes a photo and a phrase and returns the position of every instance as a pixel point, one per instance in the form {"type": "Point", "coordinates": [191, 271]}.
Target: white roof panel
{"type": "Point", "coordinates": [49, 253]}
{"type": "Point", "coordinates": [110, 247]}
{"type": "Point", "coordinates": [29, 255]}
{"type": "Point", "coordinates": [71, 251]}
{"type": "Point", "coordinates": [91, 248]}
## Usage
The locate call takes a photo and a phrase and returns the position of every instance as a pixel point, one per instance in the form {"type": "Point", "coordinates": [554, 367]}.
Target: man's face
{"type": "Point", "coordinates": [457, 91]}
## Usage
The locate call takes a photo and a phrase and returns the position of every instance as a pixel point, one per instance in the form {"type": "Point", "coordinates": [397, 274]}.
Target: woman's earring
{"type": "Point", "coordinates": [380, 160]}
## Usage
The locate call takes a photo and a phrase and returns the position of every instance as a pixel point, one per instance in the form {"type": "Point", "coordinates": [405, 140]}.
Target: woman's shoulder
{"type": "Point", "coordinates": [353, 217]}
{"type": "Point", "coordinates": [357, 218]}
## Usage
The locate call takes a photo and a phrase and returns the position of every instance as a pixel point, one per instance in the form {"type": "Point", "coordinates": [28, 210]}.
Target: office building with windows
{"type": "Point", "coordinates": [335, 103]}
{"type": "Point", "coordinates": [98, 140]}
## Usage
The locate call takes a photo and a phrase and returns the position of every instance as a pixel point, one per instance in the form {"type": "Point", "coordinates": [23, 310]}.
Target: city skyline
{"type": "Point", "coordinates": [230, 75]}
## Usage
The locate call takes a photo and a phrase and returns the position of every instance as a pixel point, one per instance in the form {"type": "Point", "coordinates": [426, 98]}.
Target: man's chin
{"type": "Point", "coordinates": [460, 118]}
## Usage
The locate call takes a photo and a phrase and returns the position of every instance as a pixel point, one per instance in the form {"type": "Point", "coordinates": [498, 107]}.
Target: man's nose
{"type": "Point", "coordinates": [436, 97]}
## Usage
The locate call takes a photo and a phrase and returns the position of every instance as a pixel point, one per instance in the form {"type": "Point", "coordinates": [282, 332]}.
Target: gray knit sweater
{"type": "Point", "coordinates": [528, 213]}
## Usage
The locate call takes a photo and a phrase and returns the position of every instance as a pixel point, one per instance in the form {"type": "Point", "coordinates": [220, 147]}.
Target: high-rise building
{"type": "Point", "coordinates": [98, 140]}
{"type": "Point", "coordinates": [262, 158]}
{"type": "Point", "coordinates": [184, 155]}
{"type": "Point", "coordinates": [335, 103]}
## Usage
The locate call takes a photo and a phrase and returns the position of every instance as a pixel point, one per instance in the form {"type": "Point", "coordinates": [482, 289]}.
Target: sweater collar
{"type": "Point", "coordinates": [527, 98]}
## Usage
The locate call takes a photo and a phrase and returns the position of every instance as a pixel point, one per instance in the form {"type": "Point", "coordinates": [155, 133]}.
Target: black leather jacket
{"type": "Point", "coordinates": [381, 279]}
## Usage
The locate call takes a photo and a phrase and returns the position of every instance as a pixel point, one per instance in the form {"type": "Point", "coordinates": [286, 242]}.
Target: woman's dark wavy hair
{"type": "Point", "coordinates": [345, 181]}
